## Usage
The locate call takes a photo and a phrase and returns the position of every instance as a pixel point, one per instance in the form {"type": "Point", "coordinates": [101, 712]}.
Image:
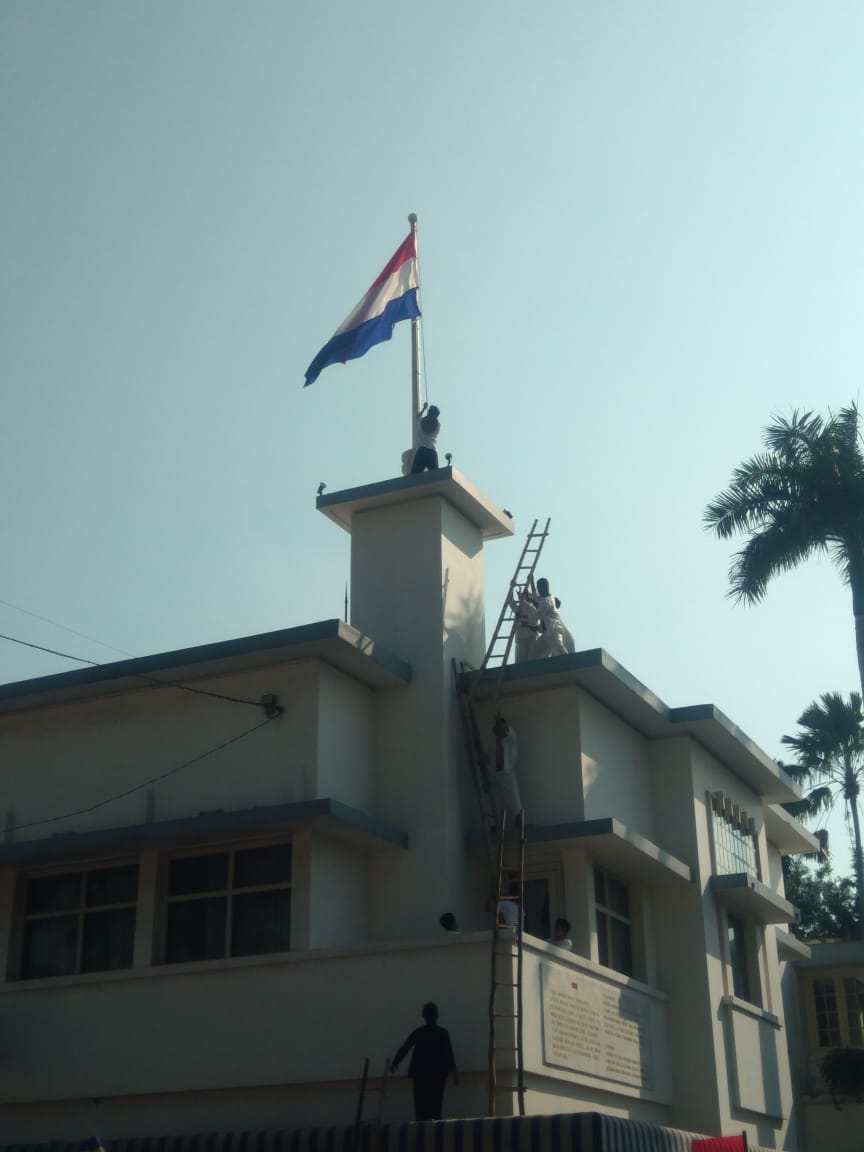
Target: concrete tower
{"type": "Point", "coordinates": [417, 588]}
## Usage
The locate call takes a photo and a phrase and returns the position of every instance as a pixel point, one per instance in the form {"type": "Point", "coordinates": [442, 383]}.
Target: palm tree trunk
{"type": "Point", "coordinates": [859, 644]}
{"type": "Point", "coordinates": [859, 864]}
{"type": "Point", "coordinates": [855, 558]}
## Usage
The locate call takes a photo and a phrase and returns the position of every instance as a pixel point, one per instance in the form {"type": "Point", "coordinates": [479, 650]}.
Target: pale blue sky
{"type": "Point", "coordinates": [641, 236]}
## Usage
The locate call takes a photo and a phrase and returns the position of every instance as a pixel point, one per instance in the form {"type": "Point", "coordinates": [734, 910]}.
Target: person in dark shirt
{"type": "Point", "coordinates": [431, 1061]}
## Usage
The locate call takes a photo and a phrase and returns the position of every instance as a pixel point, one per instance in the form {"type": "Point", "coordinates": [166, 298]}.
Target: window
{"type": "Point", "coordinates": [838, 1006]}
{"type": "Point", "coordinates": [535, 894]}
{"type": "Point", "coordinates": [614, 924]}
{"type": "Point", "coordinates": [734, 837]}
{"type": "Point", "coordinates": [736, 935]}
{"type": "Point", "coordinates": [80, 921]}
{"type": "Point", "coordinates": [230, 903]}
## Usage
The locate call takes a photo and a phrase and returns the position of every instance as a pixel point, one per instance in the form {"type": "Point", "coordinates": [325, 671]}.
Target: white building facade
{"type": "Point", "coordinates": [215, 904]}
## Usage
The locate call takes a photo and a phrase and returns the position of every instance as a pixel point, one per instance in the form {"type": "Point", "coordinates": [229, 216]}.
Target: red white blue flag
{"type": "Point", "coordinates": [393, 297]}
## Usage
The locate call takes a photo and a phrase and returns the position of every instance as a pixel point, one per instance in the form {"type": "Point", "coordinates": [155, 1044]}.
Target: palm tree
{"type": "Point", "coordinates": [830, 752]}
{"type": "Point", "coordinates": [803, 495]}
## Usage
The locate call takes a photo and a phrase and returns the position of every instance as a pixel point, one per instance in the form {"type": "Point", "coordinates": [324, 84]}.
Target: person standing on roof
{"type": "Point", "coordinates": [432, 1061]}
{"type": "Point", "coordinates": [428, 427]}
{"type": "Point", "coordinates": [524, 606]}
{"type": "Point", "coordinates": [551, 642]}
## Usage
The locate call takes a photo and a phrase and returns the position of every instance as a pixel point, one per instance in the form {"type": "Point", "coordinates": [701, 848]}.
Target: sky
{"type": "Point", "coordinates": [641, 239]}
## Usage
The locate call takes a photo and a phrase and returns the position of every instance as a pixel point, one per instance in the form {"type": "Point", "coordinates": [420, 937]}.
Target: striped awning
{"type": "Point", "coordinates": [576, 1132]}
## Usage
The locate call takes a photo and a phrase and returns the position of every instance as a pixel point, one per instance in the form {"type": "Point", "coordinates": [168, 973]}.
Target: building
{"type": "Point", "coordinates": [826, 999]}
{"type": "Point", "coordinates": [222, 870]}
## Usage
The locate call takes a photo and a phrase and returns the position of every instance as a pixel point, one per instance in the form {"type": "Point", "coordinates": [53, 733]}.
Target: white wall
{"type": "Point", "coordinates": [417, 587]}
{"type": "Point", "coordinates": [67, 757]}
{"type": "Point", "coordinates": [337, 895]}
{"type": "Point", "coordinates": [548, 769]}
{"type": "Point", "coordinates": [345, 739]}
{"type": "Point", "coordinates": [615, 769]}
{"type": "Point", "coordinates": [234, 1027]}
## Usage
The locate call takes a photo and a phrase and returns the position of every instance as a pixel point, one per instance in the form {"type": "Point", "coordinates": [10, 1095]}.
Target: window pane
{"type": "Point", "coordinates": [108, 940]}
{"type": "Point", "coordinates": [112, 886]}
{"type": "Point", "coordinates": [622, 957]}
{"type": "Point", "coordinates": [738, 958]}
{"type": "Point", "coordinates": [198, 874]}
{"type": "Point", "coordinates": [827, 1021]}
{"type": "Point", "coordinates": [195, 930]}
{"type": "Point", "coordinates": [618, 899]}
{"type": "Point", "coordinates": [49, 947]}
{"type": "Point", "coordinates": [536, 897]}
{"type": "Point", "coordinates": [599, 887]}
{"type": "Point", "coordinates": [602, 940]}
{"type": "Point", "coordinates": [270, 865]}
{"type": "Point", "coordinates": [261, 923]}
{"type": "Point", "coordinates": [54, 893]}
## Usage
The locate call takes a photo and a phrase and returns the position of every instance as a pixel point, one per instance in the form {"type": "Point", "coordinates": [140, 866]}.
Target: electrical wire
{"type": "Point", "coordinates": [141, 675]}
{"type": "Point", "coordinates": [152, 780]}
{"type": "Point", "coordinates": [63, 627]}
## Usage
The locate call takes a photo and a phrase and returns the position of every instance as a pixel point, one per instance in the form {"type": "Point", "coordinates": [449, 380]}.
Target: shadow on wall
{"type": "Point", "coordinates": [463, 625]}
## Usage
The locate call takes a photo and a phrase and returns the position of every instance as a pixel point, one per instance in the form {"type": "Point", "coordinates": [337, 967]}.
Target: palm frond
{"type": "Point", "coordinates": [803, 494]}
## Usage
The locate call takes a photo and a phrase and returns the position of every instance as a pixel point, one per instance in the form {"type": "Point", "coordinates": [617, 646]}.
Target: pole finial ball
{"type": "Point", "coordinates": [412, 218]}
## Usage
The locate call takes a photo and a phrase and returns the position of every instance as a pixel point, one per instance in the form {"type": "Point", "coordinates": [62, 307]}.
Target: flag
{"type": "Point", "coordinates": [393, 297]}
{"type": "Point", "coordinates": [721, 1144]}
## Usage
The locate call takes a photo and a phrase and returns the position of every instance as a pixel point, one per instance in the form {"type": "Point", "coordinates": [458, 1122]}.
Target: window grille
{"type": "Point", "coordinates": [734, 836]}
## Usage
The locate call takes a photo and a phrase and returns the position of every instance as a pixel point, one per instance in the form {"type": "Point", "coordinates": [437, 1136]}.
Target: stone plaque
{"type": "Point", "coordinates": [593, 1027]}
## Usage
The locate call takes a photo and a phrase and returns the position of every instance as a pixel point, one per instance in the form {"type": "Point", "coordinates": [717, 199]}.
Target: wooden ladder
{"type": "Point", "coordinates": [505, 993]}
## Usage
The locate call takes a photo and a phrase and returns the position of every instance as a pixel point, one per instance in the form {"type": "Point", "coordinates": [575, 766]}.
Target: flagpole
{"type": "Point", "coordinates": [416, 359]}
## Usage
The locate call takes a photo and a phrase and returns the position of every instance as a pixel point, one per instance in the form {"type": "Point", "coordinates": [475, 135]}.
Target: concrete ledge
{"type": "Point", "coordinates": [327, 816]}
{"type": "Point", "coordinates": [611, 843]}
{"type": "Point", "coordinates": [342, 507]}
{"type": "Point", "coordinates": [749, 897]}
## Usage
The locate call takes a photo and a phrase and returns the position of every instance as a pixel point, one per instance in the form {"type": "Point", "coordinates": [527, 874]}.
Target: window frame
{"type": "Point", "coordinates": [751, 939]}
{"type": "Point", "coordinates": [229, 893]}
{"type": "Point", "coordinates": [550, 872]}
{"type": "Point", "coordinates": [82, 868]}
{"type": "Point", "coordinates": [631, 920]}
{"type": "Point", "coordinates": [838, 979]}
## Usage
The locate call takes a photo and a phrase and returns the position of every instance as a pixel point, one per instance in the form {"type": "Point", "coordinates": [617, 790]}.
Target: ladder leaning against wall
{"type": "Point", "coordinates": [496, 657]}
{"type": "Point", "coordinates": [505, 992]}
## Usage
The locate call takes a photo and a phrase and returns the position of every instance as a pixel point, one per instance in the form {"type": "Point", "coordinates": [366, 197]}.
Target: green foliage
{"type": "Point", "coordinates": [803, 495]}
{"type": "Point", "coordinates": [829, 746]}
{"type": "Point", "coordinates": [843, 1069]}
{"type": "Point", "coordinates": [826, 904]}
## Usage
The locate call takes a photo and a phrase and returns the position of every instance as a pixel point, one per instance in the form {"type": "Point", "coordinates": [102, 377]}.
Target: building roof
{"type": "Point", "coordinates": [331, 641]}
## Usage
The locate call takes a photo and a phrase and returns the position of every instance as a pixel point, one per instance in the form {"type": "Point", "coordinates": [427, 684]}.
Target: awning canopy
{"type": "Point", "coordinates": [574, 1132]}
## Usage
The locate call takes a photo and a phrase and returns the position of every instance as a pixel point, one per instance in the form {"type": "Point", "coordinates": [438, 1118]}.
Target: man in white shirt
{"type": "Point", "coordinates": [551, 642]}
{"type": "Point", "coordinates": [501, 763]}
{"type": "Point", "coordinates": [428, 427]}
{"type": "Point", "coordinates": [524, 607]}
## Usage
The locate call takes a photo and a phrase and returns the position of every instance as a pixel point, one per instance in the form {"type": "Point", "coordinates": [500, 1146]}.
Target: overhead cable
{"type": "Point", "coordinates": [152, 779]}
{"type": "Point", "coordinates": [266, 704]}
